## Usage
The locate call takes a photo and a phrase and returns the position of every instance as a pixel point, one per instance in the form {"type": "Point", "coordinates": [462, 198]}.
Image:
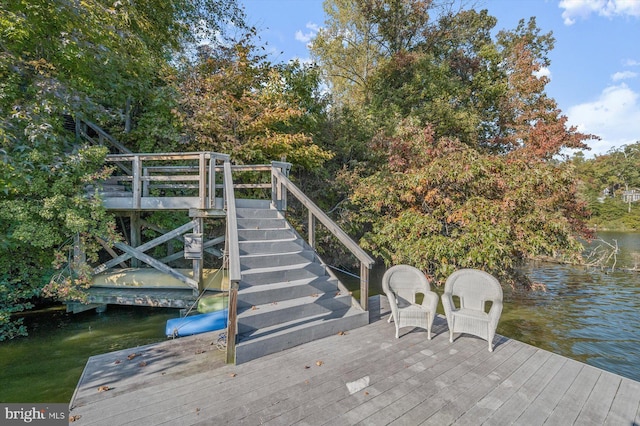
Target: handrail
{"type": "Point", "coordinates": [198, 174]}
{"type": "Point", "coordinates": [232, 224]}
{"type": "Point", "coordinates": [366, 262]}
{"type": "Point", "coordinates": [168, 156]}
{"type": "Point", "coordinates": [102, 135]}
{"type": "Point", "coordinates": [233, 252]}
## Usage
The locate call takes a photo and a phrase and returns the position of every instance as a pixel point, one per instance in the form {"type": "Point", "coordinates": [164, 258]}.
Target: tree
{"type": "Point", "coordinates": [61, 61]}
{"type": "Point", "coordinates": [451, 80]}
{"type": "Point", "coordinates": [604, 179]}
{"type": "Point", "coordinates": [529, 121]}
{"type": "Point", "coordinates": [347, 51]}
{"type": "Point", "coordinates": [235, 101]}
{"type": "Point", "coordinates": [461, 114]}
{"type": "Point", "coordinates": [442, 205]}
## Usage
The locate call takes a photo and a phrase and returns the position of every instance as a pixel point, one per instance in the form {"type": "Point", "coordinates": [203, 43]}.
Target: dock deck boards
{"type": "Point", "coordinates": [365, 376]}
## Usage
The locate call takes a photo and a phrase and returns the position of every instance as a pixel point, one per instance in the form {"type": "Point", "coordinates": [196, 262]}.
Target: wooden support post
{"type": "Point", "coordinates": [211, 183]}
{"type": "Point", "coordinates": [136, 236]}
{"type": "Point", "coordinates": [145, 184]}
{"type": "Point", "coordinates": [232, 324]}
{"type": "Point", "coordinates": [202, 181]}
{"type": "Point", "coordinates": [364, 286]}
{"type": "Point", "coordinates": [136, 187]}
{"type": "Point", "coordinates": [198, 263]}
{"type": "Point", "coordinates": [312, 230]}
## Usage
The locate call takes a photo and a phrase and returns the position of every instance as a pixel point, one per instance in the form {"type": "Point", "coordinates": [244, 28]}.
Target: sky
{"type": "Point", "coordinates": [595, 64]}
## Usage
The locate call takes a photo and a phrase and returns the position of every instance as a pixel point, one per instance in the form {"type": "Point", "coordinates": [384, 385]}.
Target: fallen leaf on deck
{"type": "Point", "coordinates": [142, 364]}
{"type": "Point", "coordinates": [366, 393]}
{"type": "Point", "coordinates": [117, 361]}
{"type": "Point", "coordinates": [74, 418]}
{"type": "Point", "coordinates": [253, 308]}
{"type": "Point", "coordinates": [103, 388]}
{"type": "Point", "coordinates": [306, 366]}
{"type": "Point", "coordinates": [200, 351]}
{"type": "Point", "coordinates": [342, 333]}
{"type": "Point", "coordinates": [314, 295]}
{"type": "Point", "coordinates": [232, 375]}
{"type": "Point", "coordinates": [132, 356]}
{"type": "Point", "coordinates": [319, 363]}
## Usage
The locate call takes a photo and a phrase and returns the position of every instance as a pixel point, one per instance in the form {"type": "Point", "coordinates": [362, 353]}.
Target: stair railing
{"type": "Point", "coordinates": [280, 185]}
{"type": "Point", "coordinates": [154, 171]}
{"type": "Point", "coordinates": [233, 258]}
{"type": "Point", "coordinates": [82, 127]}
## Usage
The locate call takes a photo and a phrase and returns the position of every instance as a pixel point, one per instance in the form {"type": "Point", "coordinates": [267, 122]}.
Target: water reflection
{"type": "Point", "coordinates": [587, 315]}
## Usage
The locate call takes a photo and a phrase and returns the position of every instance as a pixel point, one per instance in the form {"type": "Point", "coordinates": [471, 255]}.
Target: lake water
{"type": "Point", "coordinates": [589, 315]}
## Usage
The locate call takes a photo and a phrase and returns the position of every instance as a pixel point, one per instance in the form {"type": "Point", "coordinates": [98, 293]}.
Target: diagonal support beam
{"type": "Point", "coordinates": [134, 252]}
{"type": "Point", "coordinates": [109, 250]}
{"type": "Point", "coordinates": [144, 247]}
{"type": "Point", "coordinates": [207, 247]}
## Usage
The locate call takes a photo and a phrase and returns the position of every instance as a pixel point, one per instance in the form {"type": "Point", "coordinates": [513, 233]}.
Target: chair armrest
{"type": "Point", "coordinates": [447, 304]}
{"type": "Point", "coordinates": [392, 303]}
{"type": "Point", "coordinates": [495, 312]}
{"type": "Point", "coordinates": [430, 301]}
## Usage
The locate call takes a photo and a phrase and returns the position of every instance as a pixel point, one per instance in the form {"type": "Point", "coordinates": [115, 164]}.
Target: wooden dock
{"type": "Point", "coordinates": [364, 376]}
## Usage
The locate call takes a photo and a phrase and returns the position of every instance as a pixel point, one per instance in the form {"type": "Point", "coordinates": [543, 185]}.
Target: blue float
{"type": "Point", "coordinates": [195, 324]}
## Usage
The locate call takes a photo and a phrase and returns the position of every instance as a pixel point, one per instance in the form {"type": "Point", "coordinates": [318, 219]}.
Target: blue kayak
{"type": "Point", "coordinates": [195, 324]}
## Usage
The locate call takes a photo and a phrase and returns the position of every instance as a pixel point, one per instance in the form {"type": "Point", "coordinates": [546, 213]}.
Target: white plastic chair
{"type": "Point", "coordinates": [474, 288]}
{"type": "Point", "coordinates": [401, 283]}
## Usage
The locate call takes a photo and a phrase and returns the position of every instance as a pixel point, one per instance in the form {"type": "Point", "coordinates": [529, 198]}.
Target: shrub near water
{"type": "Point", "coordinates": [441, 205]}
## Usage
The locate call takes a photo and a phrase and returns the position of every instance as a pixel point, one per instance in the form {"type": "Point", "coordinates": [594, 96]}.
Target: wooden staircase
{"type": "Point", "coordinates": [281, 294]}
{"type": "Point", "coordinates": [286, 296]}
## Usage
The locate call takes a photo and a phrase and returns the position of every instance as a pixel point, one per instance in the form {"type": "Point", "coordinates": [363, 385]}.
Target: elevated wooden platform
{"type": "Point", "coordinates": [364, 376]}
{"type": "Point", "coordinates": [146, 287]}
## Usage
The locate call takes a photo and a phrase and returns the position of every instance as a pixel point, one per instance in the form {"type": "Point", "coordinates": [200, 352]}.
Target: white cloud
{"type": "Point", "coordinates": [543, 72]}
{"type": "Point", "coordinates": [631, 63]}
{"type": "Point", "coordinates": [574, 9]}
{"type": "Point", "coordinates": [306, 37]}
{"type": "Point", "coordinates": [614, 116]}
{"type": "Point", "coordinates": [624, 75]}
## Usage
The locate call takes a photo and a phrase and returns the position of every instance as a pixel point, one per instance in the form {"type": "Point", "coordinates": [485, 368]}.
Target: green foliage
{"type": "Point", "coordinates": [62, 60]}
{"type": "Point", "coordinates": [604, 179]}
{"type": "Point", "coordinates": [441, 205]}
{"type": "Point", "coordinates": [233, 101]}
{"type": "Point", "coordinates": [461, 167]}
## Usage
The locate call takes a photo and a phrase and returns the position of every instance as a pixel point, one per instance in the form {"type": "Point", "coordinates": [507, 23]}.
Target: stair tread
{"type": "Point", "coordinates": [256, 288]}
{"type": "Point", "coordinates": [286, 296]}
{"type": "Point", "coordinates": [319, 300]}
{"type": "Point", "coordinates": [294, 326]}
{"type": "Point", "coordinates": [277, 240]}
{"type": "Point", "coordinates": [283, 253]}
{"type": "Point", "coordinates": [276, 268]}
